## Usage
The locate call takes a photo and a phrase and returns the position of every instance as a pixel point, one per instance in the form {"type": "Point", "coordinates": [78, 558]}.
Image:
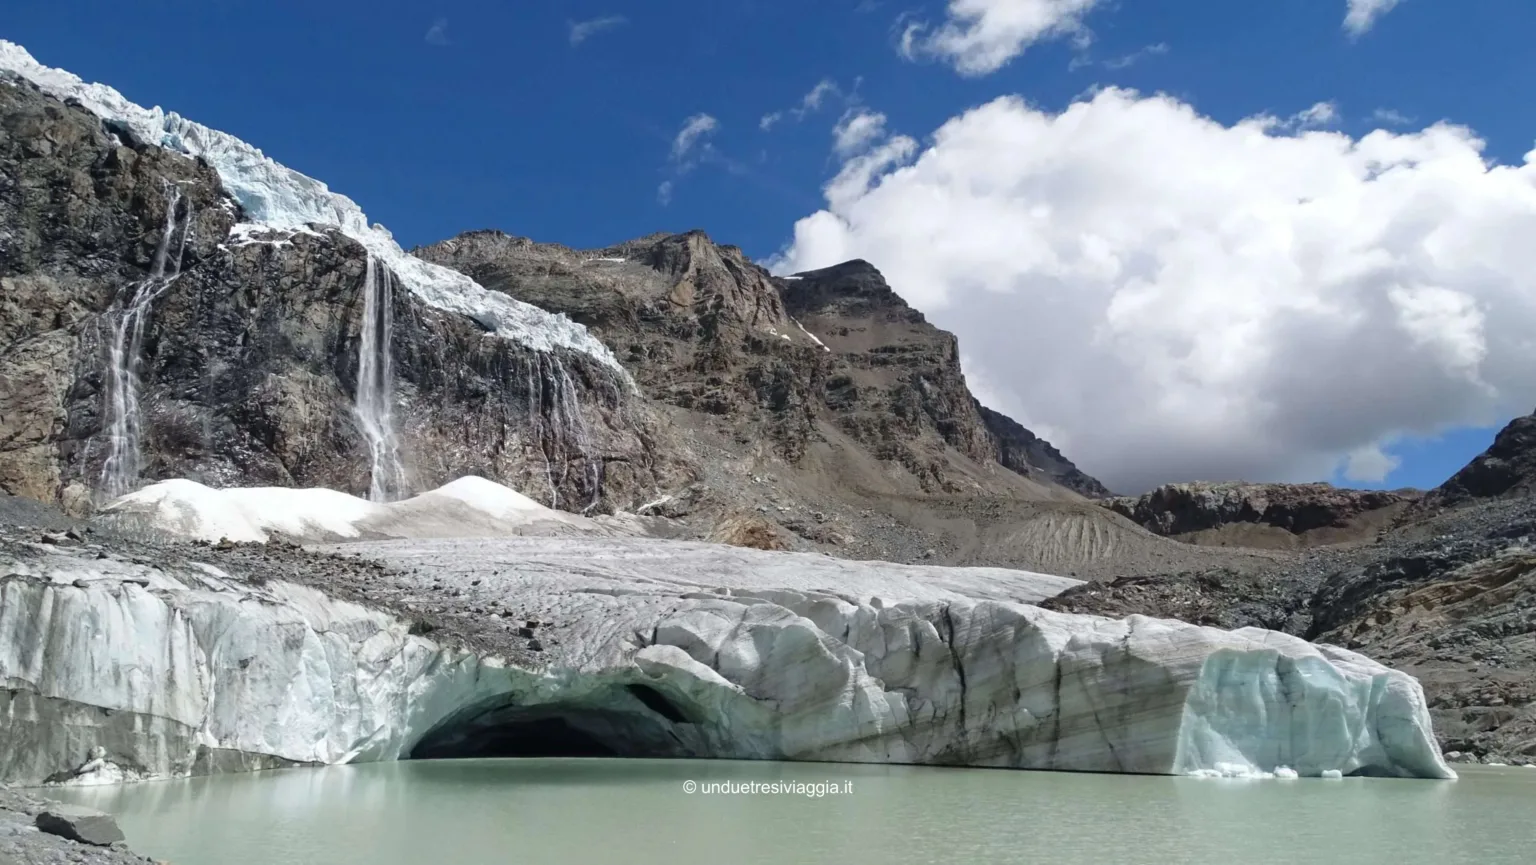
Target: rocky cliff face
{"type": "Point", "coordinates": [1024, 452]}
{"type": "Point", "coordinates": [1506, 468]}
{"type": "Point", "coordinates": [698, 325]}
{"type": "Point", "coordinates": [1296, 509]}
{"type": "Point", "coordinates": [897, 386]}
{"type": "Point", "coordinates": [139, 336]}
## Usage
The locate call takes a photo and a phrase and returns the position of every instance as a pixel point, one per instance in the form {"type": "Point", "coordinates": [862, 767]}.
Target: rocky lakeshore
{"type": "Point", "coordinates": [37, 831]}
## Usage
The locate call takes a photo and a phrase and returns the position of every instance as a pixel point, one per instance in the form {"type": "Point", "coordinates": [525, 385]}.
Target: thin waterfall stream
{"type": "Point", "coordinates": [374, 401]}
{"type": "Point", "coordinates": [125, 463]}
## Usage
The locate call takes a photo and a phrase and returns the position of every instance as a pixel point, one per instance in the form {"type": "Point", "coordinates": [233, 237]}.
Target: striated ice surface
{"type": "Point", "coordinates": [279, 197]}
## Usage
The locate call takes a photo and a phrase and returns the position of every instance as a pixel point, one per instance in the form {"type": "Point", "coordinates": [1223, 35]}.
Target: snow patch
{"type": "Point", "coordinates": [253, 514]}
{"type": "Point", "coordinates": [489, 497]}
{"type": "Point", "coordinates": [275, 196]}
{"type": "Point", "coordinates": [811, 335]}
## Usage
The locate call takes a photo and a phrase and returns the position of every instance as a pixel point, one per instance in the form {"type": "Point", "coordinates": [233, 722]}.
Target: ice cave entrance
{"type": "Point", "coordinates": [633, 720]}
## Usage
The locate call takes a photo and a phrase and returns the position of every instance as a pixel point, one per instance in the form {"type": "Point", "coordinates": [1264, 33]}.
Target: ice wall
{"type": "Point", "coordinates": [200, 672]}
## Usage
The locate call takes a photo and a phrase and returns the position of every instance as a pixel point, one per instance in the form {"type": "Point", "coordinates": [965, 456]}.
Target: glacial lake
{"type": "Point", "coordinates": [640, 812]}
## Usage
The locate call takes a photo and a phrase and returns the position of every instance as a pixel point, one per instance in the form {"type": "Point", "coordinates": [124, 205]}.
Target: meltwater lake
{"type": "Point", "coordinates": [640, 812]}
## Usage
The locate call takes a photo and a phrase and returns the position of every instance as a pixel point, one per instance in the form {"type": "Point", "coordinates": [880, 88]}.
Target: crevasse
{"type": "Point", "coordinates": [279, 197]}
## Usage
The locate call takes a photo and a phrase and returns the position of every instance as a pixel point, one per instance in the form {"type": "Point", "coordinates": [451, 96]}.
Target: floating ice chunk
{"type": "Point", "coordinates": [1244, 771]}
{"type": "Point", "coordinates": [279, 197]}
{"type": "Point", "coordinates": [1332, 774]}
{"type": "Point", "coordinates": [1285, 773]}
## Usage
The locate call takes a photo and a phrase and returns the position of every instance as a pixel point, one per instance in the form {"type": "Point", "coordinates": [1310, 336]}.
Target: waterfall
{"type": "Point", "coordinates": [559, 427]}
{"type": "Point", "coordinates": [375, 385]}
{"type": "Point", "coordinates": [124, 463]}
{"type": "Point", "coordinates": [575, 425]}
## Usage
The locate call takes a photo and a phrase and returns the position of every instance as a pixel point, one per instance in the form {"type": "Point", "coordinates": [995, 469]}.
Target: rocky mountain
{"type": "Point", "coordinates": [820, 403]}
{"type": "Point", "coordinates": [1026, 453]}
{"type": "Point", "coordinates": [1267, 515]}
{"type": "Point", "coordinates": [1507, 468]}
{"type": "Point", "coordinates": [178, 305]}
{"type": "Point", "coordinates": [704, 329]}
{"type": "Point", "coordinates": [143, 336]}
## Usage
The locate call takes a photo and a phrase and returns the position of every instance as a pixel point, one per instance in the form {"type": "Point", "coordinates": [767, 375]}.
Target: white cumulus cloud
{"type": "Point", "coordinates": [1175, 298]}
{"type": "Point", "coordinates": [1361, 15]}
{"type": "Point", "coordinates": [856, 130]}
{"type": "Point", "coordinates": [979, 37]}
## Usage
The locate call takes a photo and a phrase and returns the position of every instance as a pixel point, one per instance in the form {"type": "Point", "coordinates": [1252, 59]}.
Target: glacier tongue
{"type": "Point", "coordinates": [279, 197]}
{"type": "Point", "coordinates": [659, 648]}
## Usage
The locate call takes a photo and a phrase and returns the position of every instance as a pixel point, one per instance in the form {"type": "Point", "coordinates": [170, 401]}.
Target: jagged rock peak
{"type": "Point", "coordinates": [851, 286]}
{"type": "Point", "coordinates": [1022, 451]}
{"type": "Point", "coordinates": [1507, 467]}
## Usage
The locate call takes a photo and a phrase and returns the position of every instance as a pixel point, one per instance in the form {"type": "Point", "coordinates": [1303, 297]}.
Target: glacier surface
{"type": "Point", "coordinates": [659, 648]}
{"type": "Point", "coordinates": [278, 197]}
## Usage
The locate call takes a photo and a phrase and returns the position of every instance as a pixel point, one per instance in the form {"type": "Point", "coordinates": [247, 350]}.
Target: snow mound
{"type": "Point", "coordinates": [278, 197]}
{"type": "Point", "coordinates": [470, 507]}
{"type": "Point", "coordinates": [188, 508]}
{"type": "Point", "coordinates": [489, 497]}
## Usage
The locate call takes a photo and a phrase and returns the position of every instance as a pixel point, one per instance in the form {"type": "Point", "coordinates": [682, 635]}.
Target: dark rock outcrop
{"type": "Point", "coordinates": [1506, 468]}
{"type": "Point", "coordinates": [250, 352]}
{"type": "Point", "coordinates": [1022, 451]}
{"type": "Point", "coordinates": [1178, 509]}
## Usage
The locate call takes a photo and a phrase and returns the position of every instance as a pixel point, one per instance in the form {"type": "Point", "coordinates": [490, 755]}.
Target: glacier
{"type": "Point", "coordinates": [278, 197]}
{"type": "Point", "coordinates": [115, 670]}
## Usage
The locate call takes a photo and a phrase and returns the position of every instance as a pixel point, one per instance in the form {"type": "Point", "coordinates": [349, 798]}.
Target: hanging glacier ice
{"type": "Point", "coordinates": [278, 197]}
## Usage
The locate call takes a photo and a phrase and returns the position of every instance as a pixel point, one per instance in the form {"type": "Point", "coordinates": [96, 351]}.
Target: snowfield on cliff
{"type": "Point", "coordinates": [651, 648]}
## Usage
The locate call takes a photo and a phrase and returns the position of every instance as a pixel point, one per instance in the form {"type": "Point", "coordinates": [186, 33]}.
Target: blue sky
{"type": "Point", "coordinates": [449, 116]}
